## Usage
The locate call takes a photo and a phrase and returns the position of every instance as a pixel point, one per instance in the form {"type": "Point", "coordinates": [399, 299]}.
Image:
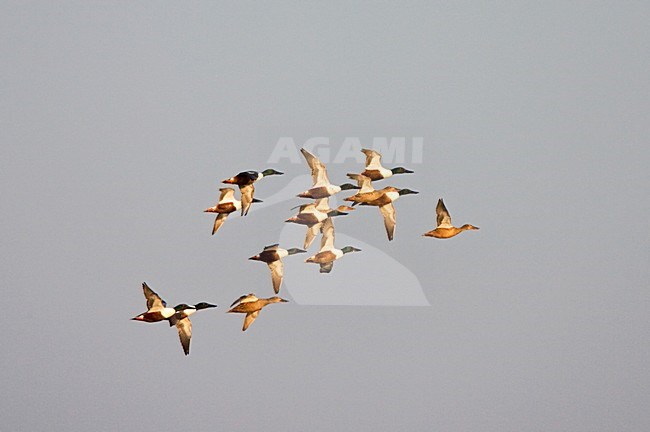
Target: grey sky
{"type": "Point", "coordinates": [119, 120]}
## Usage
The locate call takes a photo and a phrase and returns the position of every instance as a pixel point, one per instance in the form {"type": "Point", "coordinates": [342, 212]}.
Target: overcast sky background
{"type": "Point", "coordinates": [119, 120]}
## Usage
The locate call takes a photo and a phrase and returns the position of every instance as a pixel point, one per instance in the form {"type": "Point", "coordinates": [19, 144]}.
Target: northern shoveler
{"type": "Point", "coordinates": [226, 205]}
{"type": "Point", "coordinates": [157, 311]}
{"type": "Point", "coordinates": [375, 171]}
{"type": "Point", "coordinates": [272, 255]}
{"type": "Point", "coordinates": [328, 253]}
{"type": "Point", "coordinates": [444, 227]}
{"type": "Point", "coordinates": [310, 214]}
{"type": "Point", "coordinates": [245, 180]}
{"type": "Point", "coordinates": [251, 306]}
{"type": "Point", "coordinates": [322, 188]}
{"type": "Point", "coordinates": [382, 198]}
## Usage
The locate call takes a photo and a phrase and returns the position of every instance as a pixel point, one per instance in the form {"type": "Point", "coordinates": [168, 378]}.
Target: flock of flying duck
{"type": "Point", "coordinates": [316, 216]}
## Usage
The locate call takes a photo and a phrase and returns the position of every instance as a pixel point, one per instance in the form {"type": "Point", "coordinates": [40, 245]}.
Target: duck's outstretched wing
{"type": "Point", "coordinates": [184, 327]}
{"type": "Point", "coordinates": [246, 198]}
{"type": "Point", "coordinates": [226, 194]}
{"type": "Point", "coordinates": [373, 158]}
{"type": "Point", "coordinates": [154, 302]}
{"type": "Point", "coordinates": [248, 320]}
{"type": "Point", "coordinates": [388, 212]}
{"type": "Point", "coordinates": [277, 273]}
{"type": "Point", "coordinates": [364, 183]}
{"type": "Point", "coordinates": [323, 205]}
{"type": "Point", "coordinates": [442, 215]}
{"type": "Point", "coordinates": [327, 240]}
{"type": "Point", "coordinates": [312, 232]}
{"type": "Point", "coordinates": [218, 221]}
{"type": "Point", "coordinates": [318, 170]}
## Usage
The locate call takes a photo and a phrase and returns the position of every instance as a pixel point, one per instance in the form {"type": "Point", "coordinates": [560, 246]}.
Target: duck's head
{"type": "Point", "coordinates": [336, 212]}
{"type": "Point", "coordinates": [204, 305]}
{"type": "Point", "coordinates": [294, 251]}
{"type": "Point", "coordinates": [349, 249]}
{"type": "Point", "coordinates": [278, 300]}
{"type": "Point", "coordinates": [407, 192]}
{"type": "Point", "coordinates": [469, 227]}
{"type": "Point", "coordinates": [401, 170]}
{"type": "Point", "coordinates": [348, 186]}
{"type": "Point", "coordinates": [268, 172]}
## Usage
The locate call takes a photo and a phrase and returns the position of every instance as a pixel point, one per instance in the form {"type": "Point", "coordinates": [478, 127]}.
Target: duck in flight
{"type": "Point", "coordinates": [322, 188]}
{"type": "Point", "coordinates": [272, 256]}
{"type": "Point", "coordinates": [383, 198]}
{"type": "Point", "coordinates": [375, 171]}
{"type": "Point", "coordinates": [157, 311]}
{"type": "Point", "coordinates": [328, 253]}
{"type": "Point", "coordinates": [311, 214]}
{"type": "Point", "coordinates": [444, 228]}
{"type": "Point", "coordinates": [226, 205]}
{"type": "Point", "coordinates": [251, 306]}
{"type": "Point", "coordinates": [245, 180]}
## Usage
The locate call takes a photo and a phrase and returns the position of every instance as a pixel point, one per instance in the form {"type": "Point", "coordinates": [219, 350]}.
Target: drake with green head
{"type": "Point", "coordinates": [328, 253]}
{"type": "Point", "coordinates": [321, 188]}
{"type": "Point", "coordinates": [157, 311]}
{"type": "Point", "coordinates": [384, 199]}
{"type": "Point", "coordinates": [375, 171]}
{"type": "Point", "coordinates": [245, 181]}
{"type": "Point", "coordinates": [272, 256]}
{"type": "Point", "coordinates": [227, 204]}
